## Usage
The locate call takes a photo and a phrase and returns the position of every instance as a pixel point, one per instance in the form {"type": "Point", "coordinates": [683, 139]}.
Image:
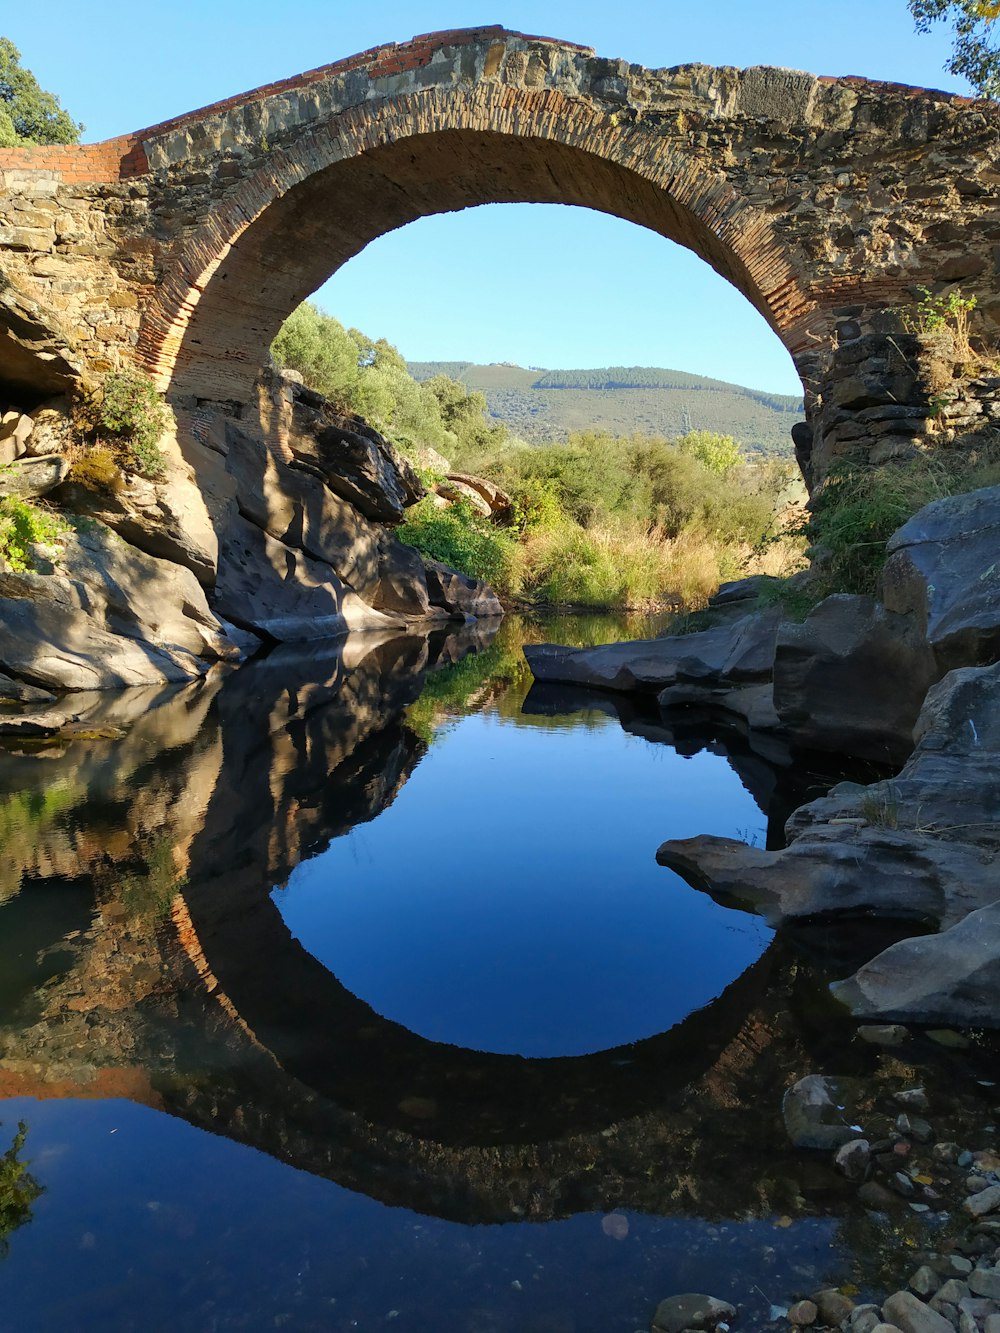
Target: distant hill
{"type": "Point", "coordinates": [546, 405]}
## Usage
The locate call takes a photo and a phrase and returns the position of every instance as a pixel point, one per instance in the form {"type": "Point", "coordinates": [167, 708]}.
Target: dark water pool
{"type": "Point", "coordinates": [345, 992]}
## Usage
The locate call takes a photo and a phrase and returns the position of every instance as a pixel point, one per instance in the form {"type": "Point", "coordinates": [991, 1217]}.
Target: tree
{"type": "Point", "coordinates": [974, 53]}
{"type": "Point", "coordinates": [28, 114]}
{"type": "Point", "coordinates": [719, 453]}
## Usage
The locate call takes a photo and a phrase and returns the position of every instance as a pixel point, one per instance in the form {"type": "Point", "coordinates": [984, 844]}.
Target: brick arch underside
{"type": "Point", "coordinates": [212, 330]}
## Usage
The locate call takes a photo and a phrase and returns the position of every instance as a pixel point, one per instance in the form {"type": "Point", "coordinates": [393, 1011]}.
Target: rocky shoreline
{"type": "Point", "coordinates": [903, 1161]}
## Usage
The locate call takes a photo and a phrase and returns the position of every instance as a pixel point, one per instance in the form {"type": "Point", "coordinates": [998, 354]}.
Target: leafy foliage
{"type": "Point", "coordinates": [18, 1189]}
{"type": "Point", "coordinates": [459, 537]}
{"type": "Point", "coordinates": [22, 526]}
{"type": "Point", "coordinates": [126, 417]}
{"type": "Point", "coordinates": [974, 54]}
{"type": "Point", "coordinates": [28, 114]}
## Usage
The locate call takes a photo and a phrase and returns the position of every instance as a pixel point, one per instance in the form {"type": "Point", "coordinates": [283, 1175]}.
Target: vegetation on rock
{"type": "Point", "coordinates": [124, 418]}
{"type": "Point", "coordinates": [23, 525]}
{"type": "Point", "coordinates": [28, 114]}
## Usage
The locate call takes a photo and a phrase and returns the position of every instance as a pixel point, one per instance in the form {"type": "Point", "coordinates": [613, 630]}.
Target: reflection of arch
{"type": "Point", "coordinates": [337, 1045]}
{"type": "Point", "coordinates": [370, 163]}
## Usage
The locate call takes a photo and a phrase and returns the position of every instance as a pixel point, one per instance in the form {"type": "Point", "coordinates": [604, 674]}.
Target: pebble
{"type": "Point", "coordinates": [883, 1034]}
{"type": "Point", "coordinates": [985, 1201]}
{"type": "Point", "coordinates": [924, 1281]}
{"type": "Point", "coordinates": [985, 1282]}
{"type": "Point", "coordinates": [803, 1314]}
{"type": "Point", "coordinates": [914, 1099]}
{"type": "Point", "coordinates": [833, 1306]}
{"type": "Point", "coordinates": [975, 1184]}
{"type": "Point", "coordinates": [953, 1291]}
{"type": "Point", "coordinates": [910, 1314]}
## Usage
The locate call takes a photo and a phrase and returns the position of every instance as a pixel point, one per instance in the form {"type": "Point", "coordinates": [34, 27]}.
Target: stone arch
{"type": "Point", "coordinates": [336, 186]}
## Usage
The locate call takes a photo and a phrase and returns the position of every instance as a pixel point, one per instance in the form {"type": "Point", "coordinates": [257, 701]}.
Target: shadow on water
{"type": "Point", "coordinates": [145, 956]}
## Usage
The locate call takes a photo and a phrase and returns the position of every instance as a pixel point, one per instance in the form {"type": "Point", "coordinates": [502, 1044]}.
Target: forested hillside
{"type": "Point", "coordinates": [548, 405]}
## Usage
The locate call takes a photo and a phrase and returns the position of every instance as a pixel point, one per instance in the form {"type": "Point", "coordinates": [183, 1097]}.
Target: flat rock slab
{"type": "Point", "coordinates": [738, 652]}
{"type": "Point", "coordinates": [34, 724]}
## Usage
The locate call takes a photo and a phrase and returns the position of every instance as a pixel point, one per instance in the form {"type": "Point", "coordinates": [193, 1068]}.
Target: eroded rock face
{"type": "Point", "coordinates": [109, 617]}
{"type": "Point", "coordinates": [282, 594]}
{"type": "Point", "coordinates": [944, 570]}
{"type": "Point", "coordinates": [852, 678]}
{"type": "Point", "coordinates": [359, 465]}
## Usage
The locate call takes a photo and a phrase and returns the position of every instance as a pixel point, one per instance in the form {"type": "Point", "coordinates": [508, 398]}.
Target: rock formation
{"type": "Point", "coordinates": [274, 530]}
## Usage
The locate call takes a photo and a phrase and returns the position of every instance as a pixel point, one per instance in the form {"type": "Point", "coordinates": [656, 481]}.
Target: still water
{"type": "Point", "coordinates": [345, 992]}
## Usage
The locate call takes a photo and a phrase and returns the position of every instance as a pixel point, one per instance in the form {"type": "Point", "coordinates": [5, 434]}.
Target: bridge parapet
{"type": "Point", "coordinates": [185, 244]}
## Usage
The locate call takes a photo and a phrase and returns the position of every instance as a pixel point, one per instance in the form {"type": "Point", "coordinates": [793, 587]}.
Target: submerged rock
{"type": "Point", "coordinates": [691, 1311]}
{"type": "Point", "coordinates": [818, 1112]}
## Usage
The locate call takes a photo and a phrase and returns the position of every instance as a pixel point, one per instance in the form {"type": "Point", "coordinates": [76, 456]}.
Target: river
{"type": "Point", "coordinates": [343, 991]}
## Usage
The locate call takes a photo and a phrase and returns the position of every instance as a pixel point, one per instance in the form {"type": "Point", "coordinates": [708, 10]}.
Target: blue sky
{"type": "Point", "coordinates": [542, 286]}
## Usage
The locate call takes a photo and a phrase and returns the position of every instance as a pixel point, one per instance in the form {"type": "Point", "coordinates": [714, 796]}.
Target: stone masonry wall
{"type": "Point", "coordinates": [827, 202]}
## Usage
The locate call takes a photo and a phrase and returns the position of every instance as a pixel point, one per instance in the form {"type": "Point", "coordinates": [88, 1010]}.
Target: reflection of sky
{"type": "Point", "coordinates": [509, 899]}
{"type": "Point", "coordinates": [148, 1225]}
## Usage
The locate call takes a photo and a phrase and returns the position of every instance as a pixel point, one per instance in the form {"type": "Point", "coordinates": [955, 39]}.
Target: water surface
{"type": "Point", "coordinates": [344, 992]}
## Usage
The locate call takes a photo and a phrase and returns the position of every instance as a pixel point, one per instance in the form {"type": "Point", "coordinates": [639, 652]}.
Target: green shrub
{"type": "Point", "coordinates": [459, 537]}
{"type": "Point", "coordinates": [857, 510]}
{"type": "Point", "coordinates": [22, 525]}
{"type": "Point", "coordinates": [126, 416]}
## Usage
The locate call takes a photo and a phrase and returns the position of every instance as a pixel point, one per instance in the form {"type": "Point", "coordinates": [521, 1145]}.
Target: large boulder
{"type": "Point", "coordinates": [852, 678]}
{"type": "Point", "coordinates": [951, 979]}
{"type": "Point", "coordinates": [402, 585]}
{"type": "Point", "coordinates": [943, 570]}
{"type": "Point", "coordinates": [454, 489]}
{"type": "Point", "coordinates": [460, 595]}
{"type": "Point", "coordinates": [111, 616]}
{"type": "Point", "coordinates": [358, 464]}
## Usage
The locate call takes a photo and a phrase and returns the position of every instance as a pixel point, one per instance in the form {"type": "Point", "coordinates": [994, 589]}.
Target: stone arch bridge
{"type": "Point", "coordinates": [826, 201]}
